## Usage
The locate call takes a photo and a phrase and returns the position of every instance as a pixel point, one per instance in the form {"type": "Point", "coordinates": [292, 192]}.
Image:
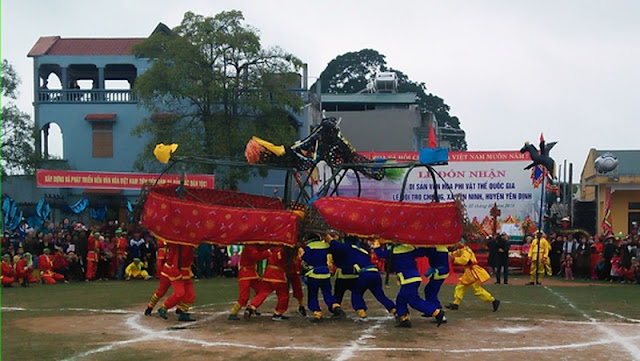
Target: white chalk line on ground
{"type": "Point", "coordinates": [528, 304]}
{"type": "Point", "coordinates": [614, 337]}
{"type": "Point", "coordinates": [213, 304]}
{"type": "Point", "coordinates": [147, 335]}
{"type": "Point", "coordinates": [513, 330]}
{"type": "Point", "coordinates": [357, 346]}
{"type": "Point", "coordinates": [92, 310]}
{"type": "Point", "coordinates": [619, 316]}
{"type": "Point", "coordinates": [526, 319]}
{"type": "Point", "coordinates": [350, 350]}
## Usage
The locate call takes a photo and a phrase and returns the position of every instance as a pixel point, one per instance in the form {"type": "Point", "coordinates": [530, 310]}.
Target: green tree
{"type": "Point", "coordinates": [18, 134]}
{"type": "Point", "coordinates": [212, 86]}
{"type": "Point", "coordinates": [351, 72]}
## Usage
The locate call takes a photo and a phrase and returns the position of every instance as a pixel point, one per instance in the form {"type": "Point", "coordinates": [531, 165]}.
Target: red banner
{"type": "Point", "coordinates": [489, 156]}
{"type": "Point", "coordinates": [419, 224]}
{"type": "Point", "coordinates": [187, 221]}
{"type": "Point", "coordinates": [47, 178]}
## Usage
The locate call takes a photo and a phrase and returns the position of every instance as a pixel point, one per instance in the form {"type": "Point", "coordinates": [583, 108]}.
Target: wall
{"type": "Point", "coordinates": [388, 130]}
{"type": "Point", "coordinates": [620, 209]}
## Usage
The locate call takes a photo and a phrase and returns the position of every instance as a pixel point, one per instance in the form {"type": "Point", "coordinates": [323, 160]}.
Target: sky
{"type": "Point", "coordinates": [509, 70]}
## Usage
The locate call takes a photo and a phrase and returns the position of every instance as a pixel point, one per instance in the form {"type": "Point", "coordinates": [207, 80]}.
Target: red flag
{"type": "Point", "coordinates": [432, 136]}
{"type": "Point", "coordinates": [607, 224]}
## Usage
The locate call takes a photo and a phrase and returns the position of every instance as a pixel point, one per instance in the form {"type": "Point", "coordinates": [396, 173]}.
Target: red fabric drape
{"type": "Point", "coordinates": [419, 224]}
{"type": "Point", "coordinates": [188, 221]}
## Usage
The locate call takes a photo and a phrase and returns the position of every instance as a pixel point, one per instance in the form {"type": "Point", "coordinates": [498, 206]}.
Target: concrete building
{"type": "Point", "coordinates": [84, 87]}
{"type": "Point", "coordinates": [377, 121]}
{"type": "Point", "coordinates": [621, 183]}
{"type": "Point", "coordinates": [381, 119]}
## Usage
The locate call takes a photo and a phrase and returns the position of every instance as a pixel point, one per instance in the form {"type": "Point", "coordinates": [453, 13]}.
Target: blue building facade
{"type": "Point", "coordinates": [95, 119]}
{"type": "Point", "coordinates": [84, 86]}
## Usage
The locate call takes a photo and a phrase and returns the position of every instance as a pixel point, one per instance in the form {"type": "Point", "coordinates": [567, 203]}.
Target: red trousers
{"type": "Point", "coordinates": [282, 292]}
{"type": "Point", "coordinates": [51, 279]}
{"type": "Point", "coordinates": [92, 266]}
{"type": "Point", "coordinates": [28, 275]}
{"type": "Point", "coordinates": [163, 287]}
{"type": "Point", "coordinates": [6, 280]}
{"type": "Point", "coordinates": [244, 290]}
{"type": "Point", "coordinates": [296, 286]}
{"type": "Point", "coordinates": [183, 293]}
{"type": "Point", "coordinates": [159, 264]}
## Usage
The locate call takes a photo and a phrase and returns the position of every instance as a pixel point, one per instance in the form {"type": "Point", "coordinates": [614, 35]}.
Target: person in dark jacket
{"type": "Point", "coordinates": [583, 259]}
{"type": "Point", "coordinates": [502, 258]}
{"type": "Point", "coordinates": [492, 260]}
{"type": "Point", "coordinates": [555, 256]}
{"type": "Point", "coordinates": [607, 253]}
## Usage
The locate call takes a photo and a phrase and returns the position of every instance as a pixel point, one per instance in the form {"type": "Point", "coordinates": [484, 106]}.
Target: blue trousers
{"type": "Point", "coordinates": [408, 296]}
{"type": "Point", "coordinates": [369, 280]}
{"type": "Point", "coordinates": [315, 284]}
{"type": "Point", "coordinates": [341, 286]}
{"type": "Point", "coordinates": [204, 266]}
{"type": "Point", "coordinates": [431, 291]}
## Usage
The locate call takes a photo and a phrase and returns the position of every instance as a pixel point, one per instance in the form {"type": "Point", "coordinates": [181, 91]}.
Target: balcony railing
{"type": "Point", "coordinates": [86, 96]}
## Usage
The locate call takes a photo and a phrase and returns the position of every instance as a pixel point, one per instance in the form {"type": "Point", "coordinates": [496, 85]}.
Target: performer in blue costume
{"type": "Point", "coordinates": [368, 276]}
{"type": "Point", "coordinates": [438, 272]}
{"type": "Point", "coordinates": [346, 275]}
{"type": "Point", "coordinates": [403, 263]}
{"type": "Point", "coordinates": [318, 278]}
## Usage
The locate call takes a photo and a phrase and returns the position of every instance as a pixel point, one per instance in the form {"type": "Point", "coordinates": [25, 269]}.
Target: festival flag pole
{"type": "Point", "coordinates": [540, 159]}
{"type": "Point", "coordinates": [539, 236]}
{"type": "Point", "coordinates": [606, 223]}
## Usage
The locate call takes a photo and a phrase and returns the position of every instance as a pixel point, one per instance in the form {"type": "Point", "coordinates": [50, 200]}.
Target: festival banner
{"type": "Point", "coordinates": [481, 178]}
{"type": "Point", "coordinates": [418, 224]}
{"type": "Point", "coordinates": [188, 221]}
{"type": "Point", "coordinates": [47, 178]}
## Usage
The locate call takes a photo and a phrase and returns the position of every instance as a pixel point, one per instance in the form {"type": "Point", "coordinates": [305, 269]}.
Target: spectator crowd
{"type": "Point", "coordinates": [70, 251]}
{"type": "Point", "coordinates": [578, 255]}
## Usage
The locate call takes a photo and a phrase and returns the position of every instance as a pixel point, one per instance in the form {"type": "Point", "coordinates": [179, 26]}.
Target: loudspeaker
{"type": "Point", "coordinates": [584, 216]}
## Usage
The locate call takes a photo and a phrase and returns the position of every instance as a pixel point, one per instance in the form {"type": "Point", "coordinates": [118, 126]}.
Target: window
{"type": "Point", "coordinates": [102, 140]}
{"type": "Point", "coordinates": [634, 205]}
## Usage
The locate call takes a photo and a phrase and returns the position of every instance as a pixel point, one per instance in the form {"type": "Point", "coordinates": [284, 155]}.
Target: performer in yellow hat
{"type": "Point", "coordinates": [474, 276]}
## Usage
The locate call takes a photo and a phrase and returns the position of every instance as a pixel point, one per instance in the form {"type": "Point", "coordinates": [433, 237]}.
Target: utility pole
{"type": "Point", "coordinates": [571, 193]}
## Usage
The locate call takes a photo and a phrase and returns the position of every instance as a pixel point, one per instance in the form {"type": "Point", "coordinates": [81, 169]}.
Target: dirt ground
{"type": "Point", "coordinates": [214, 337]}
{"type": "Point", "coordinates": [563, 332]}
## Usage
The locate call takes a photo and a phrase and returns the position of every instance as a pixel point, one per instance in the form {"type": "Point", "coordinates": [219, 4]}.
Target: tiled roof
{"type": "Point", "coordinates": [628, 160]}
{"type": "Point", "coordinates": [54, 45]}
{"type": "Point", "coordinates": [101, 117]}
{"type": "Point", "coordinates": [42, 45]}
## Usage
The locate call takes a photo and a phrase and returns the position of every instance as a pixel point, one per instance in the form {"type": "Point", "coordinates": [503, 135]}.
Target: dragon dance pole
{"type": "Point", "coordinates": [544, 178]}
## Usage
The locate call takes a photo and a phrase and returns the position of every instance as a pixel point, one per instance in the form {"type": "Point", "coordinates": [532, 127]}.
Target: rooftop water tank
{"type": "Point", "coordinates": [386, 82]}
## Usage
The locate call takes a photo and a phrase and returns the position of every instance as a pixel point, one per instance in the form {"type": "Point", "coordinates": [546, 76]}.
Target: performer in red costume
{"type": "Point", "coordinates": [181, 277]}
{"type": "Point", "coordinates": [274, 279]}
{"type": "Point", "coordinates": [296, 281]}
{"type": "Point", "coordinates": [165, 282]}
{"type": "Point", "coordinates": [161, 256]}
{"type": "Point", "coordinates": [121, 253]}
{"type": "Point", "coordinates": [93, 255]}
{"type": "Point", "coordinates": [8, 273]}
{"type": "Point", "coordinates": [24, 270]}
{"type": "Point", "coordinates": [45, 264]}
{"type": "Point", "coordinates": [248, 278]}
